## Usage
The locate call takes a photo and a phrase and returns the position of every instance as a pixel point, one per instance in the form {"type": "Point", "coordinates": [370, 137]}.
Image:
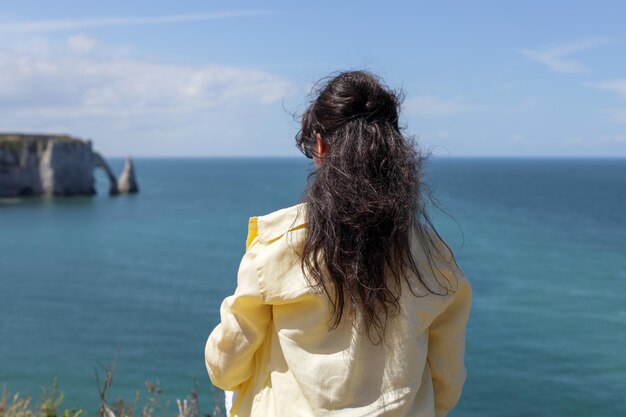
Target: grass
{"type": "Point", "coordinates": [148, 405]}
{"type": "Point", "coordinates": [48, 406]}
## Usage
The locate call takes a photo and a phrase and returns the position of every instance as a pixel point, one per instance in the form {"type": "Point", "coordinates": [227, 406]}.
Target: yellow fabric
{"type": "Point", "coordinates": [274, 348]}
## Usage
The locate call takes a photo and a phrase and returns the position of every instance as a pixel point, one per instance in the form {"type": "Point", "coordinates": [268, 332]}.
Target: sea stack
{"type": "Point", "coordinates": [127, 182]}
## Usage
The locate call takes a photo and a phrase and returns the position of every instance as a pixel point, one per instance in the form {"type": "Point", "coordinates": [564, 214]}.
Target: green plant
{"type": "Point", "coordinates": [49, 405]}
{"type": "Point", "coordinates": [152, 406]}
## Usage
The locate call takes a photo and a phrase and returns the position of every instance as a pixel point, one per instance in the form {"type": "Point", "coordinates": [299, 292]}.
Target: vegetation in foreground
{"type": "Point", "coordinates": [151, 405]}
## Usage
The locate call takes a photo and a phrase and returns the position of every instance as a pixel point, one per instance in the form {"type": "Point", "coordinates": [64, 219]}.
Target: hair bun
{"type": "Point", "coordinates": [348, 97]}
{"type": "Point", "coordinates": [367, 99]}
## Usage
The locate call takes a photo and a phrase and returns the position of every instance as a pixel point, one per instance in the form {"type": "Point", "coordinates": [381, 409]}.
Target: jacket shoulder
{"type": "Point", "coordinates": [272, 226]}
{"type": "Point", "coordinates": [275, 236]}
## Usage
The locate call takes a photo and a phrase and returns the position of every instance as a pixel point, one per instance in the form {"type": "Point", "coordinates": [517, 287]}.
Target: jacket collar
{"type": "Point", "coordinates": [275, 224]}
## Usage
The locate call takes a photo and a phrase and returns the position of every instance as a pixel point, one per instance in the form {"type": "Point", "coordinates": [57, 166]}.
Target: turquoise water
{"type": "Point", "coordinates": [140, 278]}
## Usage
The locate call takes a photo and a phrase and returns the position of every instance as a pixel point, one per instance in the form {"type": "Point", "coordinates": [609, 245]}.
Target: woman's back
{"type": "Point", "coordinates": [274, 346]}
{"type": "Point", "coordinates": [347, 303]}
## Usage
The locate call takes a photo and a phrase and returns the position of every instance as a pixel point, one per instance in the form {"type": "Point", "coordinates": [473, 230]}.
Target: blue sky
{"type": "Point", "coordinates": [200, 78]}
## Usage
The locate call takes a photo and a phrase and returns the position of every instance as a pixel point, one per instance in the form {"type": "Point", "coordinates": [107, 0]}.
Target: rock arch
{"type": "Point", "coordinates": [99, 162]}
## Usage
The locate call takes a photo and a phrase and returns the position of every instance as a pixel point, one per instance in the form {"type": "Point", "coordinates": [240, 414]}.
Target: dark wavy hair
{"type": "Point", "coordinates": [363, 202]}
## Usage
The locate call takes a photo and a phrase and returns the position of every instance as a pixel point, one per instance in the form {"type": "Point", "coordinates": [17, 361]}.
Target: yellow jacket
{"type": "Point", "coordinates": [274, 348]}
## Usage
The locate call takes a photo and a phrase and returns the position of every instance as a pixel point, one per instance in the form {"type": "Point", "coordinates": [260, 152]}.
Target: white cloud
{"type": "Point", "coordinates": [429, 106]}
{"type": "Point", "coordinates": [64, 25]}
{"type": "Point", "coordinates": [558, 58]}
{"type": "Point", "coordinates": [72, 85]}
{"type": "Point", "coordinates": [616, 86]}
{"type": "Point", "coordinates": [81, 43]}
{"type": "Point", "coordinates": [142, 107]}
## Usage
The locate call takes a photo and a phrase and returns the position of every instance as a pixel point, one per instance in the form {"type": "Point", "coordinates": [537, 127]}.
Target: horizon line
{"type": "Point", "coordinates": [503, 156]}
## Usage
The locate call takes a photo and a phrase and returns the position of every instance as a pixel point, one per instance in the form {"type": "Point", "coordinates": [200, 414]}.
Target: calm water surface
{"type": "Point", "coordinates": [543, 241]}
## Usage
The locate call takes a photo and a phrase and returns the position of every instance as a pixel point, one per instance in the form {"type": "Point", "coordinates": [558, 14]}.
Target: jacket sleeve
{"type": "Point", "coordinates": [230, 348]}
{"type": "Point", "coordinates": [446, 345]}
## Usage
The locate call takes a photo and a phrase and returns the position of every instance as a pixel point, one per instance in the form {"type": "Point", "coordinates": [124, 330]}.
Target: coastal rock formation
{"type": "Point", "coordinates": [49, 165]}
{"type": "Point", "coordinates": [19, 168]}
{"type": "Point", "coordinates": [66, 167]}
{"type": "Point", "coordinates": [99, 162]}
{"type": "Point", "coordinates": [127, 182]}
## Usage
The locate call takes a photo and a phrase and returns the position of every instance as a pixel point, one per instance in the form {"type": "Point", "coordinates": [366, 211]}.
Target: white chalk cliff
{"type": "Point", "coordinates": [50, 165]}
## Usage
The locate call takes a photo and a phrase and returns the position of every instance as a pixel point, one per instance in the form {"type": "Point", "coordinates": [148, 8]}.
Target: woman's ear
{"type": "Point", "coordinates": [320, 146]}
{"type": "Point", "coordinates": [319, 149]}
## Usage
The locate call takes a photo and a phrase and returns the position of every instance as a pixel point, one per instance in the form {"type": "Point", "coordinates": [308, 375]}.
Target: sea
{"type": "Point", "coordinates": [136, 281]}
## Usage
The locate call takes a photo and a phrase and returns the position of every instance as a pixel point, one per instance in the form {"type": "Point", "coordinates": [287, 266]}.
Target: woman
{"type": "Point", "coordinates": [348, 303]}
